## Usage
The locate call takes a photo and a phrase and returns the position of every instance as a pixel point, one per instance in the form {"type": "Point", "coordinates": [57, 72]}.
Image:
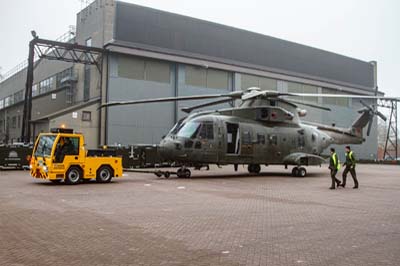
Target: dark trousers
{"type": "Point", "coordinates": [352, 171]}
{"type": "Point", "coordinates": [333, 177]}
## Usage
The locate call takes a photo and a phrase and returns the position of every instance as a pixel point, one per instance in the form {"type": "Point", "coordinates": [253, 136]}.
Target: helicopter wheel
{"type": "Point", "coordinates": [302, 172]}
{"type": "Point", "coordinates": [295, 171]}
{"type": "Point", "coordinates": [254, 168]}
{"type": "Point", "coordinates": [183, 173]}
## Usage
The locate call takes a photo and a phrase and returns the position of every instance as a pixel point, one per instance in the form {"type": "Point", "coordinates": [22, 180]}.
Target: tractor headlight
{"type": "Point", "coordinates": [30, 167]}
{"type": "Point", "coordinates": [45, 168]}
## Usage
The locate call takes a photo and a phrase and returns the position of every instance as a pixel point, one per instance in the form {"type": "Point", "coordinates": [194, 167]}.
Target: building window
{"type": "Point", "coordinates": [19, 96]}
{"type": "Point", "coordinates": [86, 83]}
{"type": "Point", "coordinates": [196, 76]}
{"type": "Point", "coordinates": [69, 95]}
{"type": "Point", "coordinates": [1, 103]}
{"type": "Point", "coordinates": [19, 121]}
{"type": "Point", "coordinates": [141, 69]}
{"type": "Point", "coordinates": [63, 77]}
{"type": "Point", "coordinates": [7, 101]}
{"type": "Point", "coordinates": [157, 71]}
{"type": "Point", "coordinates": [86, 116]}
{"type": "Point", "coordinates": [14, 122]}
{"type": "Point", "coordinates": [1, 126]}
{"type": "Point", "coordinates": [206, 78]}
{"type": "Point", "coordinates": [303, 88]}
{"type": "Point", "coordinates": [35, 90]}
{"type": "Point", "coordinates": [248, 81]}
{"type": "Point", "coordinates": [45, 85]}
{"type": "Point", "coordinates": [131, 67]}
{"type": "Point", "coordinates": [335, 101]}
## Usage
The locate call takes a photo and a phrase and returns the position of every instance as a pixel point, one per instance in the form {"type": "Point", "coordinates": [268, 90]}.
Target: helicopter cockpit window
{"type": "Point", "coordinates": [207, 131]}
{"type": "Point", "coordinates": [177, 126]}
{"type": "Point", "coordinates": [189, 130]}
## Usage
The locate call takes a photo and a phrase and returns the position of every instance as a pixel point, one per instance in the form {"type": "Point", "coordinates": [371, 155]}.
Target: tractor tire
{"type": "Point", "coordinates": [104, 174]}
{"type": "Point", "coordinates": [73, 176]}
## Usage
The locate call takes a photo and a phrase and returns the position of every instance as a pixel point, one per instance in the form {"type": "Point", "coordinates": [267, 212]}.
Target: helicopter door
{"type": "Point", "coordinates": [232, 138]}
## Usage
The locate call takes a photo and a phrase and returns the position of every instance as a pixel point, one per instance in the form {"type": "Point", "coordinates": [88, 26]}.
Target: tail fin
{"type": "Point", "coordinates": [362, 121]}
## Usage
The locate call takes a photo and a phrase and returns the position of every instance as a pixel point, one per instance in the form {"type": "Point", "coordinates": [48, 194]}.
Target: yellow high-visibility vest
{"type": "Point", "coordinates": [350, 154]}
{"type": "Point", "coordinates": [336, 163]}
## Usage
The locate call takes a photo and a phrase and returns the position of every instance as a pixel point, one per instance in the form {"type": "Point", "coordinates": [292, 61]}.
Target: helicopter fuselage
{"type": "Point", "coordinates": [226, 139]}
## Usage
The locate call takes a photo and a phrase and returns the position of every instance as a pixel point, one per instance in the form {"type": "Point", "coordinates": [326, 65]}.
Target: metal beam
{"type": "Point", "coordinates": [54, 50]}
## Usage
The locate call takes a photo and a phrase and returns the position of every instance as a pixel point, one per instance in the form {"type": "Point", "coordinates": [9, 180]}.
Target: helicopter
{"type": "Point", "coordinates": [264, 129]}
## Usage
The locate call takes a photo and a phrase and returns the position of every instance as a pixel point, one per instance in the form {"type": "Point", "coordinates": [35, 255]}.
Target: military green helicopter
{"type": "Point", "coordinates": [264, 129]}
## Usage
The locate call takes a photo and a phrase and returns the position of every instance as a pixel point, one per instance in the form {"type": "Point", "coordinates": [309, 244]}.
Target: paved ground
{"type": "Point", "coordinates": [215, 218]}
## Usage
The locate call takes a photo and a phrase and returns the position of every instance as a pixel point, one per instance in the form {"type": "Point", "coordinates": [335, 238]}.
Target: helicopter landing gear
{"type": "Point", "coordinates": [254, 168]}
{"type": "Point", "coordinates": [183, 173]}
{"type": "Point", "coordinates": [299, 171]}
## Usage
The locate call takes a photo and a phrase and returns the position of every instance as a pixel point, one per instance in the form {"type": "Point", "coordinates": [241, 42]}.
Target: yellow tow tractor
{"type": "Point", "coordinates": [61, 155]}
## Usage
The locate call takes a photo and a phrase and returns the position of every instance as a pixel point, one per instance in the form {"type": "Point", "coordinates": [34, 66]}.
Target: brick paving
{"type": "Point", "coordinates": [217, 217]}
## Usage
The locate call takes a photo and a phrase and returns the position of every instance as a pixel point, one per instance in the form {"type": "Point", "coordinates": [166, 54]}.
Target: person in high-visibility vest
{"type": "Point", "coordinates": [350, 166]}
{"type": "Point", "coordinates": [334, 166]}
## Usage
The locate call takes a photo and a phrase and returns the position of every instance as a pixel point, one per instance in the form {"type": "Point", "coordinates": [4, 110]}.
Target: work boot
{"type": "Point", "coordinates": [332, 188]}
{"type": "Point", "coordinates": [355, 187]}
{"type": "Point", "coordinates": [338, 183]}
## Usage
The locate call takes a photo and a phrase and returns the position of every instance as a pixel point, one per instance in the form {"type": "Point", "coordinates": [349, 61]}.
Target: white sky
{"type": "Point", "coordinates": [363, 29]}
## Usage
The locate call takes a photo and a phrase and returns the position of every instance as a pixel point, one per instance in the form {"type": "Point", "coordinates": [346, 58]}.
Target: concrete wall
{"type": "Point", "coordinates": [144, 123]}
{"type": "Point", "coordinates": [73, 119]}
{"type": "Point", "coordinates": [41, 104]}
{"type": "Point", "coordinates": [147, 123]}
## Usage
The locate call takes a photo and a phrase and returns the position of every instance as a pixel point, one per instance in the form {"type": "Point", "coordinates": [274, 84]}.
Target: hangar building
{"type": "Point", "coordinates": [154, 54]}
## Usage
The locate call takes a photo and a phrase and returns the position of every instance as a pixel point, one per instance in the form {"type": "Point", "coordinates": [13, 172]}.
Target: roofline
{"type": "Point", "coordinates": [236, 28]}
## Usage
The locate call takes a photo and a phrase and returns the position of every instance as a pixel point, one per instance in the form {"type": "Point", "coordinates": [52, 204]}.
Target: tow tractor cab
{"type": "Point", "coordinates": [61, 155]}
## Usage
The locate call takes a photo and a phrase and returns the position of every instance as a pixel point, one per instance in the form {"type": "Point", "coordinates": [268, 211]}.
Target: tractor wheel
{"type": "Point", "coordinates": [104, 174]}
{"type": "Point", "coordinates": [73, 176]}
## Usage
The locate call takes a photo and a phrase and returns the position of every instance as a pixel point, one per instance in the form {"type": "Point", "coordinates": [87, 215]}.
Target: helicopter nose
{"type": "Point", "coordinates": [170, 149]}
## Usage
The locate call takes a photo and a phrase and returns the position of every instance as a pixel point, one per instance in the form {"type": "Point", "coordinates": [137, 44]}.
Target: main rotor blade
{"type": "Point", "coordinates": [232, 95]}
{"type": "Point", "coordinates": [255, 92]}
{"type": "Point", "coordinates": [366, 105]}
{"type": "Point", "coordinates": [191, 108]}
{"type": "Point", "coordinates": [310, 105]}
{"type": "Point", "coordinates": [354, 96]}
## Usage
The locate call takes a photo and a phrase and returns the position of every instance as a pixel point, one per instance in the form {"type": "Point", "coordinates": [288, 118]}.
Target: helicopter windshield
{"type": "Point", "coordinates": [189, 130]}
{"type": "Point", "coordinates": [177, 126]}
